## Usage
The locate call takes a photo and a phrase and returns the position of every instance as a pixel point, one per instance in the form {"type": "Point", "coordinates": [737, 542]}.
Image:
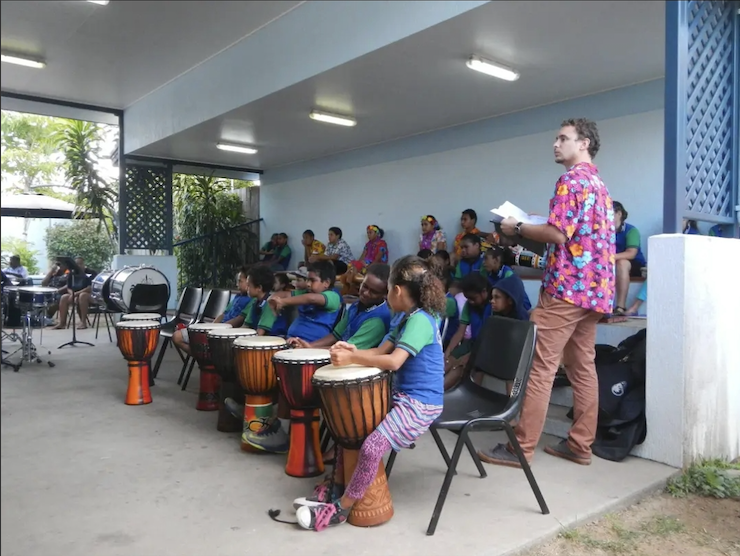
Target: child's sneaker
{"type": "Point", "coordinates": [322, 494]}
{"type": "Point", "coordinates": [318, 518]}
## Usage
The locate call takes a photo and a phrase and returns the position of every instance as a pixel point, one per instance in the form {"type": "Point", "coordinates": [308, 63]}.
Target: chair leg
{"type": "Point", "coordinates": [183, 369]}
{"type": "Point", "coordinates": [391, 461]}
{"type": "Point", "coordinates": [451, 471]}
{"type": "Point", "coordinates": [527, 470]}
{"type": "Point", "coordinates": [183, 357]}
{"type": "Point", "coordinates": [108, 325]}
{"type": "Point", "coordinates": [162, 349]}
{"type": "Point", "coordinates": [476, 459]}
{"type": "Point", "coordinates": [190, 370]}
{"type": "Point", "coordinates": [441, 446]}
{"type": "Point", "coordinates": [96, 324]}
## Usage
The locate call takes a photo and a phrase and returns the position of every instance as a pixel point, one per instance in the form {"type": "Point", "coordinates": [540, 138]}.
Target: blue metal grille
{"type": "Point", "coordinates": [710, 143]}
{"type": "Point", "coordinates": [146, 208]}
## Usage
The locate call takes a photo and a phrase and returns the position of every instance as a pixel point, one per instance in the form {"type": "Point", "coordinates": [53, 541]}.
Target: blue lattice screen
{"type": "Point", "coordinates": [711, 144]}
{"type": "Point", "coordinates": [146, 208]}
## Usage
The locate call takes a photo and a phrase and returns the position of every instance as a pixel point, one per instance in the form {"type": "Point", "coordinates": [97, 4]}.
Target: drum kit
{"type": "Point", "coordinates": [32, 301]}
{"type": "Point", "coordinates": [237, 363]}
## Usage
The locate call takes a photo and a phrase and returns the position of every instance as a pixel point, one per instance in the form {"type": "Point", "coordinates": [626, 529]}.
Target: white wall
{"type": "Point", "coordinates": [394, 193]}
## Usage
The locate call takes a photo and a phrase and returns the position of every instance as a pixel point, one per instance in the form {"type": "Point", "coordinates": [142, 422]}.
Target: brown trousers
{"type": "Point", "coordinates": [563, 331]}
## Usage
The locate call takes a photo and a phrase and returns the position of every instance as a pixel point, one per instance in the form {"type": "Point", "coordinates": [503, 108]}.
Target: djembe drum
{"type": "Point", "coordinates": [137, 340]}
{"type": "Point", "coordinates": [294, 369]}
{"type": "Point", "coordinates": [201, 350]}
{"type": "Point", "coordinates": [355, 400]}
{"type": "Point", "coordinates": [222, 355]}
{"type": "Point", "coordinates": [253, 361]}
{"type": "Point", "coordinates": [142, 316]}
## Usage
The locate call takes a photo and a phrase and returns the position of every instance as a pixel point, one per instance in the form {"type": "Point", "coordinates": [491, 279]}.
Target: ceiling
{"type": "Point", "coordinates": [114, 55]}
{"type": "Point", "coordinates": [421, 83]}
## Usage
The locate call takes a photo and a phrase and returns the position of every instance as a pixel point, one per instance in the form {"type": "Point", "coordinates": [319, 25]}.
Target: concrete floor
{"type": "Point", "coordinates": [82, 473]}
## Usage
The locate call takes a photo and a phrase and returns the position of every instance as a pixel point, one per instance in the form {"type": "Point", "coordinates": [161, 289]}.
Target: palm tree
{"type": "Point", "coordinates": [81, 143]}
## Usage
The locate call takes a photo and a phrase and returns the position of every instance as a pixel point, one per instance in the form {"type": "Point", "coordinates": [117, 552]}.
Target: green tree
{"type": "Point", "coordinates": [81, 238]}
{"type": "Point", "coordinates": [29, 153]}
{"type": "Point", "coordinates": [81, 143]}
{"type": "Point", "coordinates": [203, 206]}
{"type": "Point", "coordinates": [22, 248]}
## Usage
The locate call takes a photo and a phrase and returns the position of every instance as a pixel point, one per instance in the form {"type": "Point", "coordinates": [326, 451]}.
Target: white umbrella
{"type": "Point", "coordinates": [35, 205]}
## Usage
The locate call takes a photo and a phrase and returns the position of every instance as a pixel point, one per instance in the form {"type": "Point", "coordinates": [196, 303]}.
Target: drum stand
{"type": "Point", "coordinates": [27, 348]}
{"type": "Point", "coordinates": [74, 340]}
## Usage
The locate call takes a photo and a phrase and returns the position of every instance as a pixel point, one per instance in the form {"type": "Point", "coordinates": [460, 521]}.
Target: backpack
{"type": "Point", "coordinates": [621, 423]}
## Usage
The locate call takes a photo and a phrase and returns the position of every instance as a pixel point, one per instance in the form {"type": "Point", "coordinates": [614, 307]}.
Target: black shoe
{"type": "Point", "coordinates": [235, 409]}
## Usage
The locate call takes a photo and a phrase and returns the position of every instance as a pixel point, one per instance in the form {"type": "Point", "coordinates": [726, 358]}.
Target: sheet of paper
{"type": "Point", "coordinates": [509, 209]}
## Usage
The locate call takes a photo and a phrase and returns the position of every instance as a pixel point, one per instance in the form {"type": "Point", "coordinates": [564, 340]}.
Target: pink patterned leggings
{"type": "Point", "coordinates": [372, 451]}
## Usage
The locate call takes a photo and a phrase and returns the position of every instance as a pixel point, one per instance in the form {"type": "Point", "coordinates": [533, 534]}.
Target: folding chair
{"type": "Point", "coordinates": [504, 351]}
{"type": "Point", "coordinates": [215, 304]}
{"type": "Point", "coordinates": [186, 313]}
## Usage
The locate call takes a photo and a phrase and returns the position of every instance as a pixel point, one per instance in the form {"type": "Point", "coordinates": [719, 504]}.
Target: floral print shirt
{"type": "Point", "coordinates": [581, 271]}
{"type": "Point", "coordinates": [432, 241]}
{"type": "Point", "coordinates": [342, 249]}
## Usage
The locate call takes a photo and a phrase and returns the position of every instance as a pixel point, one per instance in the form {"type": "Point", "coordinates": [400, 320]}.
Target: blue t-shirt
{"type": "Point", "coordinates": [422, 375]}
{"type": "Point", "coordinates": [236, 306]}
{"type": "Point", "coordinates": [629, 237]}
{"type": "Point", "coordinates": [316, 321]}
{"type": "Point", "coordinates": [396, 319]}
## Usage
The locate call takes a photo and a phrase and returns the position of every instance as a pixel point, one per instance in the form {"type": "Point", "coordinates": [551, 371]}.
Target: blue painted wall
{"type": "Point", "coordinates": [477, 165]}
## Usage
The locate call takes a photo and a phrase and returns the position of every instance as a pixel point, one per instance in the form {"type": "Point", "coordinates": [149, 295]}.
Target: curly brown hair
{"type": "Point", "coordinates": [422, 283]}
{"type": "Point", "coordinates": [586, 129]}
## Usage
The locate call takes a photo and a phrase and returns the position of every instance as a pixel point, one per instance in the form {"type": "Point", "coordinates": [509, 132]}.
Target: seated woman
{"type": "Point", "coordinates": [432, 237]}
{"type": "Point", "coordinates": [375, 251]}
{"type": "Point", "coordinates": [629, 258]}
{"type": "Point", "coordinates": [468, 223]}
{"type": "Point", "coordinates": [337, 251]}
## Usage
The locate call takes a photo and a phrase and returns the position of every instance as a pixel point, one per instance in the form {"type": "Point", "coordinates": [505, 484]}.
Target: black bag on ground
{"type": "Point", "coordinates": [621, 425]}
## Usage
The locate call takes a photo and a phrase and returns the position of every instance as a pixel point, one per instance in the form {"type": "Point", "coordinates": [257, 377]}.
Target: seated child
{"type": "Point", "coordinates": [232, 314]}
{"type": "Point", "coordinates": [470, 256]}
{"type": "Point", "coordinates": [495, 270]}
{"type": "Point", "coordinates": [282, 283]}
{"type": "Point", "coordinates": [318, 308]}
{"type": "Point", "coordinates": [425, 254]}
{"type": "Point", "coordinates": [414, 353]}
{"type": "Point", "coordinates": [442, 258]}
{"type": "Point", "coordinates": [475, 312]}
{"type": "Point", "coordinates": [368, 319]}
{"type": "Point", "coordinates": [258, 314]}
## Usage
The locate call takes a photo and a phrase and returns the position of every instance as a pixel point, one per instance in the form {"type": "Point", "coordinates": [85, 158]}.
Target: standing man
{"type": "Point", "coordinates": [577, 290]}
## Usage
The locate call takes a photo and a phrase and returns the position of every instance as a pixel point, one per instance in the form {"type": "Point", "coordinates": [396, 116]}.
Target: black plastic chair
{"type": "Point", "coordinates": [504, 351]}
{"type": "Point", "coordinates": [150, 298]}
{"type": "Point", "coordinates": [215, 304]}
{"type": "Point", "coordinates": [185, 314]}
{"type": "Point", "coordinates": [97, 311]}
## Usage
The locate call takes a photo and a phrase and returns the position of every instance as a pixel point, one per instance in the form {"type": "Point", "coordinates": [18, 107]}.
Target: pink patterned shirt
{"type": "Point", "coordinates": [581, 271]}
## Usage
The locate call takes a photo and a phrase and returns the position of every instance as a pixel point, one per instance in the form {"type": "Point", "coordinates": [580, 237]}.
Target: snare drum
{"type": "Point", "coordinates": [142, 316]}
{"type": "Point", "coordinates": [220, 342]}
{"type": "Point", "coordinates": [201, 350]}
{"type": "Point", "coordinates": [138, 341]}
{"type": "Point", "coordinates": [355, 400]}
{"type": "Point", "coordinates": [36, 297]}
{"type": "Point", "coordinates": [253, 361]}
{"type": "Point", "coordinates": [294, 369]}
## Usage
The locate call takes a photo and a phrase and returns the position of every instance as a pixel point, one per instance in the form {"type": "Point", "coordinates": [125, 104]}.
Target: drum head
{"type": "Point", "coordinates": [137, 324]}
{"type": "Point", "coordinates": [123, 282]}
{"type": "Point", "coordinates": [205, 326]}
{"type": "Point", "coordinates": [142, 316]}
{"type": "Point", "coordinates": [260, 342]}
{"type": "Point", "coordinates": [331, 373]}
{"type": "Point", "coordinates": [36, 289]}
{"type": "Point", "coordinates": [307, 355]}
{"type": "Point", "coordinates": [232, 332]}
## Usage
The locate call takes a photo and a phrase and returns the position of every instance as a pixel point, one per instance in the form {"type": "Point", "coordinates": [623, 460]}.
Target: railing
{"type": "Point", "coordinates": [218, 256]}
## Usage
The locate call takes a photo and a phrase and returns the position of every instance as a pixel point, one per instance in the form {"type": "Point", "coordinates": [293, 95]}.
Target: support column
{"type": "Point", "coordinates": [693, 359]}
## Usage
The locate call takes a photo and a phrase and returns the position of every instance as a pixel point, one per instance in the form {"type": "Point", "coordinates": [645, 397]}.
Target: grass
{"type": "Point", "coordinates": [707, 478]}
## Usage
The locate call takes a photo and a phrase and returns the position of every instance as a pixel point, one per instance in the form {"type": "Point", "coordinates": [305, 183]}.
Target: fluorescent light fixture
{"type": "Point", "coordinates": [236, 148]}
{"type": "Point", "coordinates": [100, 2]}
{"type": "Point", "coordinates": [491, 68]}
{"type": "Point", "coordinates": [256, 183]}
{"type": "Point", "coordinates": [332, 119]}
{"type": "Point", "coordinates": [22, 61]}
